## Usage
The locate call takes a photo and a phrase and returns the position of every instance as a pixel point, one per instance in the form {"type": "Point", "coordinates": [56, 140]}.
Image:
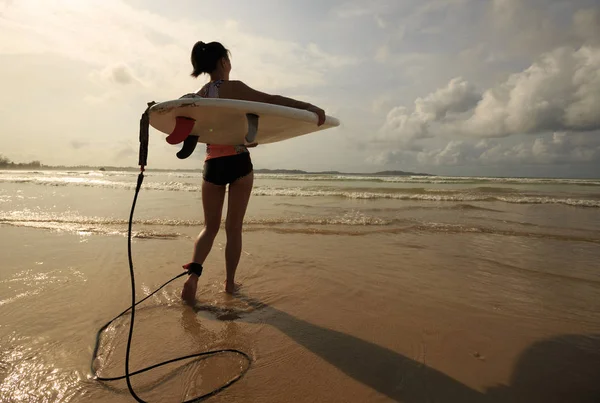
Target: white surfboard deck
{"type": "Point", "coordinates": [223, 121]}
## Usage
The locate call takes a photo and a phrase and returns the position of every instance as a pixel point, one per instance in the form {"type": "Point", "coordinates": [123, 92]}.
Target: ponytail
{"type": "Point", "coordinates": [205, 57]}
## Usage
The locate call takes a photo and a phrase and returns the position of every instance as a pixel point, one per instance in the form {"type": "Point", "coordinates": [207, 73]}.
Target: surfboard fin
{"type": "Point", "coordinates": [189, 145]}
{"type": "Point", "coordinates": [252, 127]}
{"type": "Point", "coordinates": [183, 128]}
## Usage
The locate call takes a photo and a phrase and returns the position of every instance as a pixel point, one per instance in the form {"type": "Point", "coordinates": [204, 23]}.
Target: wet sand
{"type": "Point", "coordinates": [416, 317]}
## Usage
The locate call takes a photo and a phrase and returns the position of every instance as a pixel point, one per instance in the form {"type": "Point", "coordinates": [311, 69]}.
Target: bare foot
{"type": "Point", "coordinates": [232, 288]}
{"type": "Point", "coordinates": [188, 294]}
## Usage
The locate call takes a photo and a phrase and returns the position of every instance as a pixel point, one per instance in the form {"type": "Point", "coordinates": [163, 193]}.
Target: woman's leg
{"type": "Point", "coordinates": [213, 197]}
{"type": "Point", "coordinates": [239, 195]}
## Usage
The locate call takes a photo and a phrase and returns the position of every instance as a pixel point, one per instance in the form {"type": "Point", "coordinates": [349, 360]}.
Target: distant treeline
{"type": "Point", "coordinates": [7, 163]}
{"type": "Point", "coordinates": [300, 172]}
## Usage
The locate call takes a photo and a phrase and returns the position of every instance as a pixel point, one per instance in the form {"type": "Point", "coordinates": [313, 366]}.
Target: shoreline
{"type": "Point", "coordinates": [258, 170]}
{"type": "Point", "coordinates": [291, 172]}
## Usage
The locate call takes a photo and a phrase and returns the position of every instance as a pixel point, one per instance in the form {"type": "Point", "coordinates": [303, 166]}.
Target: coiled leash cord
{"type": "Point", "coordinates": [144, 123]}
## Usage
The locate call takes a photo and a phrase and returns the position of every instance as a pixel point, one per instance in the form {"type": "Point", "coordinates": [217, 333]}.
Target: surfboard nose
{"type": "Point", "coordinates": [183, 128]}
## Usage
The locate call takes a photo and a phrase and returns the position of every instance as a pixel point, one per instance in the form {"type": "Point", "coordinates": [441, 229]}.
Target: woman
{"type": "Point", "coordinates": [226, 165]}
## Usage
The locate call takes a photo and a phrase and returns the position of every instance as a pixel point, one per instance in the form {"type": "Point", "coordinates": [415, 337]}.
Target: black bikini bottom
{"type": "Point", "coordinates": [224, 170]}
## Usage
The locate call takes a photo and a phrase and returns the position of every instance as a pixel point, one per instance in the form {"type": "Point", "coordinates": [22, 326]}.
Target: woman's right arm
{"type": "Point", "coordinates": [239, 90]}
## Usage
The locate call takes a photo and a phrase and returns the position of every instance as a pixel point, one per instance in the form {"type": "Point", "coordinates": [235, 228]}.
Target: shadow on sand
{"type": "Point", "coordinates": [561, 369]}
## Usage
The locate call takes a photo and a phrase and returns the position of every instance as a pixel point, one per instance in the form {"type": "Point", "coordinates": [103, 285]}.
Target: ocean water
{"type": "Point", "coordinates": [97, 202]}
{"type": "Point", "coordinates": [405, 289]}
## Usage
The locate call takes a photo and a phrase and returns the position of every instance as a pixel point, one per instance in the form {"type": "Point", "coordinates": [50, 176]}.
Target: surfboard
{"type": "Point", "coordinates": [229, 121]}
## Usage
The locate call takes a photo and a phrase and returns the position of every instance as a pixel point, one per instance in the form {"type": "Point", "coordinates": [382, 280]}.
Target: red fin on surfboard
{"type": "Point", "coordinates": [183, 128]}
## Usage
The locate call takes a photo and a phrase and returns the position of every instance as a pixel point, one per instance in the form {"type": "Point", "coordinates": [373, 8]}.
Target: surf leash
{"type": "Point", "coordinates": [143, 156]}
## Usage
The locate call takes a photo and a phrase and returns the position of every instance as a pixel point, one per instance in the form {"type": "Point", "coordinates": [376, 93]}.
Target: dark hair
{"type": "Point", "coordinates": [205, 57]}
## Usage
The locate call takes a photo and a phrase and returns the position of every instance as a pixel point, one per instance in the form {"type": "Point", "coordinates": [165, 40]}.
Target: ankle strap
{"type": "Point", "coordinates": [193, 267]}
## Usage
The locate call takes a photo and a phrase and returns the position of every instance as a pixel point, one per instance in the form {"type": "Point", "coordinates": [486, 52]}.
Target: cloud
{"type": "Point", "coordinates": [527, 27]}
{"type": "Point", "coordinates": [424, 10]}
{"type": "Point", "coordinates": [124, 153]}
{"type": "Point", "coordinates": [559, 148]}
{"type": "Point", "coordinates": [119, 73]}
{"type": "Point", "coordinates": [546, 114]}
{"type": "Point", "coordinates": [382, 54]}
{"type": "Point", "coordinates": [559, 92]}
{"type": "Point", "coordinates": [156, 49]}
{"type": "Point", "coordinates": [406, 126]}
{"type": "Point", "coordinates": [587, 25]}
{"type": "Point", "coordinates": [77, 144]}
{"type": "Point", "coordinates": [564, 148]}
{"type": "Point", "coordinates": [382, 104]}
{"type": "Point", "coordinates": [403, 18]}
{"type": "Point", "coordinates": [357, 8]}
{"type": "Point", "coordinates": [380, 22]}
{"type": "Point", "coordinates": [456, 152]}
{"type": "Point", "coordinates": [389, 158]}
{"type": "Point", "coordinates": [457, 97]}
{"type": "Point", "coordinates": [107, 58]}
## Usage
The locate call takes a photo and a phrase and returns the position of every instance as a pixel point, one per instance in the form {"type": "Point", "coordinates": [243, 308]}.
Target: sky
{"type": "Point", "coordinates": [448, 87]}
